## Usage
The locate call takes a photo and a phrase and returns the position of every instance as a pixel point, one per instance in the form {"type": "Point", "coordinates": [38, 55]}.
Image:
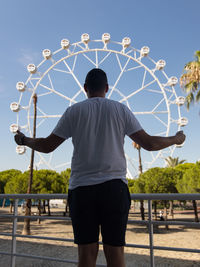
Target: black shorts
{"type": "Point", "coordinates": [103, 206]}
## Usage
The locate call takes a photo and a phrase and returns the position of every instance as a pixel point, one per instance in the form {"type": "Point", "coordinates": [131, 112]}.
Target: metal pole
{"type": "Point", "coordinates": [14, 231]}
{"type": "Point", "coordinates": [151, 233]}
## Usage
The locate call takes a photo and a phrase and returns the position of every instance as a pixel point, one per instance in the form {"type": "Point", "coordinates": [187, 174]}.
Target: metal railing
{"type": "Point", "coordinates": [150, 222]}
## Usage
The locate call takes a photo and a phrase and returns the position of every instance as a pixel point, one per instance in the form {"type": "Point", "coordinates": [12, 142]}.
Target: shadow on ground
{"type": "Point", "coordinates": [70, 252]}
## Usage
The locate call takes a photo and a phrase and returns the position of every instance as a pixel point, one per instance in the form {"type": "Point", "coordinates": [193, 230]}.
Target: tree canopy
{"type": "Point", "coordinates": [190, 183]}
{"type": "Point", "coordinates": [6, 176]}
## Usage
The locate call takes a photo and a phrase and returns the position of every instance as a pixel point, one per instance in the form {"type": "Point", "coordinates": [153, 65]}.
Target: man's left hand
{"type": "Point", "coordinates": [19, 138]}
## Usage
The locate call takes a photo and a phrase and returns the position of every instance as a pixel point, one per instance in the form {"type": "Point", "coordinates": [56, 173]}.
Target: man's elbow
{"type": "Point", "coordinates": [46, 148]}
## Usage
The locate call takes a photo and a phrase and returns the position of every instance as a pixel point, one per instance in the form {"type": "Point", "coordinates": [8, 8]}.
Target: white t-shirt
{"type": "Point", "coordinates": [97, 127]}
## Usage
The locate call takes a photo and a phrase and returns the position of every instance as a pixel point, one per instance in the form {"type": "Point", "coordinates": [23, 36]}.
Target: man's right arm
{"type": "Point", "coordinates": [153, 143]}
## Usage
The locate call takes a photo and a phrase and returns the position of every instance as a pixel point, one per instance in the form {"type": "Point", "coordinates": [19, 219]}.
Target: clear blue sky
{"type": "Point", "coordinates": [169, 28]}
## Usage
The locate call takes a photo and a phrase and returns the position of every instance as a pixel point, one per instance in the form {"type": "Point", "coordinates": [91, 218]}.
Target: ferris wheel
{"type": "Point", "coordinates": [135, 79]}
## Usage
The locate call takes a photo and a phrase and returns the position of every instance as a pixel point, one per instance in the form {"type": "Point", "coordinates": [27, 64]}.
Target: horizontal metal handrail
{"type": "Point", "coordinates": [145, 222]}
{"type": "Point", "coordinates": [170, 196]}
{"type": "Point", "coordinates": [149, 223]}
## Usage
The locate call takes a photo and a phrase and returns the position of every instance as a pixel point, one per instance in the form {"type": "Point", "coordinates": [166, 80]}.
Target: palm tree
{"type": "Point", "coordinates": [190, 80]}
{"type": "Point", "coordinates": [172, 162]}
{"type": "Point", "coordinates": [138, 147]}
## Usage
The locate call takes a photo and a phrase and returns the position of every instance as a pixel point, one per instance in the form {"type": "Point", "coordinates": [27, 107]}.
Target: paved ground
{"type": "Point", "coordinates": [175, 236]}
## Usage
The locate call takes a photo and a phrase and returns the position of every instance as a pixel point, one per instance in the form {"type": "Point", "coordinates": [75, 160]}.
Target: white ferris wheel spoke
{"type": "Point", "coordinates": [97, 59]}
{"type": "Point", "coordinates": [149, 112]}
{"type": "Point", "coordinates": [122, 95]}
{"type": "Point", "coordinates": [159, 120]}
{"type": "Point", "coordinates": [159, 103]}
{"type": "Point", "coordinates": [89, 59]}
{"type": "Point", "coordinates": [46, 116]}
{"type": "Point", "coordinates": [57, 93]}
{"type": "Point", "coordinates": [62, 165]}
{"type": "Point", "coordinates": [59, 70]}
{"type": "Point", "coordinates": [154, 91]}
{"type": "Point", "coordinates": [120, 66]}
{"type": "Point", "coordinates": [137, 91]}
{"type": "Point", "coordinates": [33, 86]}
{"type": "Point", "coordinates": [48, 93]}
{"type": "Point", "coordinates": [144, 77]}
{"type": "Point", "coordinates": [50, 158]}
{"type": "Point", "coordinates": [104, 58]}
{"type": "Point", "coordinates": [76, 95]}
{"type": "Point", "coordinates": [40, 123]}
{"type": "Point", "coordinates": [74, 63]}
{"type": "Point", "coordinates": [44, 161]}
{"type": "Point", "coordinates": [134, 68]}
{"type": "Point", "coordinates": [75, 78]}
{"type": "Point", "coordinates": [122, 71]}
{"type": "Point", "coordinates": [41, 111]}
{"type": "Point", "coordinates": [161, 134]}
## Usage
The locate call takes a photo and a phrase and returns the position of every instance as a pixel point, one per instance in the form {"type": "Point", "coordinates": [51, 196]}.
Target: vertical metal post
{"type": "Point", "coordinates": [14, 230]}
{"type": "Point", "coordinates": [151, 233]}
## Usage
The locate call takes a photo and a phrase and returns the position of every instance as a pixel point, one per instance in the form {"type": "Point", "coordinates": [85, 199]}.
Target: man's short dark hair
{"type": "Point", "coordinates": [96, 80]}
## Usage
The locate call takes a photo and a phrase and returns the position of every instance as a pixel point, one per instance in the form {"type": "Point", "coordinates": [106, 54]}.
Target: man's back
{"type": "Point", "coordinates": [97, 127]}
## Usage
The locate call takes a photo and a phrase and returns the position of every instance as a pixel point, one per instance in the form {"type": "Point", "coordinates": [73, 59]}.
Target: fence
{"type": "Point", "coordinates": [150, 222]}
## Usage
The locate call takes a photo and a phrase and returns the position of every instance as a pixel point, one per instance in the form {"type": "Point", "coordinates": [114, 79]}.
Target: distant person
{"type": "Point", "coordinates": [161, 216]}
{"type": "Point", "coordinates": [99, 199]}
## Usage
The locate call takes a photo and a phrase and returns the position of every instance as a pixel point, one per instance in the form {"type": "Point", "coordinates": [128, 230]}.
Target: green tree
{"type": "Point", "coordinates": [159, 180]}
{"type": "Point", "coordinates": [131, 185]}
{"type": "Point", "coordinates": [5, 177]}
{"type": "Point", "coordinates": [190, 80]}
{"type": "Point", "coordinates": [172, 162]}
{"type": "Point", "coordinates": [175, 175]}
{"type": "Point", "coordinates": [48, 182]}
{"type": "Point", "coordinates": [16, 185]}
{"type": "Point", "coordinates": [184, 167]}
{"type": "Point", "coordinates": [190, 183]}
{"type": "Point", "coordinates": [65, 176]}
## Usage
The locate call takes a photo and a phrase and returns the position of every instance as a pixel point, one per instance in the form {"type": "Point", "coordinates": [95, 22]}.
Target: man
{"type": "Point", "coordinates": [98, 194]}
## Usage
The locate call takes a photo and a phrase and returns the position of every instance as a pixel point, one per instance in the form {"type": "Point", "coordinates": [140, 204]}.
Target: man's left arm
{"type": "Point", "coordinates": [44, 145]}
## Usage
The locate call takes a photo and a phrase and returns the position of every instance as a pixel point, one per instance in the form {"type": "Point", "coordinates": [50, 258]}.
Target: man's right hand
{"type": "Point", "coordinates": [180, 137]}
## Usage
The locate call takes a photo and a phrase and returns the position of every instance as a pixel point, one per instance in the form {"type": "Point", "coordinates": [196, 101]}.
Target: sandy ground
{"type": "Point", "coordinates": [176, 236]}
